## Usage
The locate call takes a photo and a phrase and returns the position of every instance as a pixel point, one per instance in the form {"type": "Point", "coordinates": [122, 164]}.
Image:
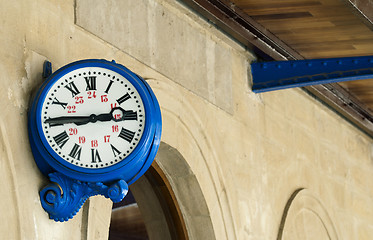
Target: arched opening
{"type": "Point", "coordinates": [167, 203]}
{"type": "Point", "coordinates": [305, 217]}
{"type": "Point", "coordinates": [149, 211]}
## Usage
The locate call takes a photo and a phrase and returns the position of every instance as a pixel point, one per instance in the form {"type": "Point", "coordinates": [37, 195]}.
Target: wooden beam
{"type": "Point", "coordinates": [232, 20]}
{"type": "Point", "coordinates": [226, 16]}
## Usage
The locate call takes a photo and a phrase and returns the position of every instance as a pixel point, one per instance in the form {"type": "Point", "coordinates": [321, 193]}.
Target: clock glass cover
{"type": "Point", "coordinates": [92, 118]}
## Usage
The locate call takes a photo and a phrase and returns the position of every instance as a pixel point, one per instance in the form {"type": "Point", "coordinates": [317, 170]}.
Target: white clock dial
{"type": "Point", "coordinates": [79, 122]}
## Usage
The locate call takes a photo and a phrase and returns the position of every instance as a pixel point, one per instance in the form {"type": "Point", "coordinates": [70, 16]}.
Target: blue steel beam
{"type": "Point", "coordinates": [276, 75]}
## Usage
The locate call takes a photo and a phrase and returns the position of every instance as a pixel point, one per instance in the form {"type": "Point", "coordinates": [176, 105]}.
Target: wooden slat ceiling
{"type": "Point", "coordinates": [127, 223]}
{"type": "Point", "coordinates": [318, 29]}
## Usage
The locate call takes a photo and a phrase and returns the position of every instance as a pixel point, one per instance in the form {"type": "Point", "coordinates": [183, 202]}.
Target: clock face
{"type": "Point", "coordinates": [92, 117]}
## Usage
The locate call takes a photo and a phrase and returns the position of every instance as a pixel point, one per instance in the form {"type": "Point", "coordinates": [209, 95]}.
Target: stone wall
{"type": "Point", "coordinates": [276, 165]}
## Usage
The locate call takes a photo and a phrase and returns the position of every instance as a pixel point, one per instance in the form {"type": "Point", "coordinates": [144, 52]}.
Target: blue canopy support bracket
{"type": "Point", "coordinates": [276, 75]}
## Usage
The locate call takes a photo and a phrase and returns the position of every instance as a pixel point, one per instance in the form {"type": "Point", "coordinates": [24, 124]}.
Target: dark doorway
{"type": "Point", "coordinates": [149, 211]}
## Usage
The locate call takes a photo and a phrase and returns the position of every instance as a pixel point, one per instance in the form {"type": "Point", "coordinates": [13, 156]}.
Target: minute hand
{"type": "Point", "coordinates": [80, 120]}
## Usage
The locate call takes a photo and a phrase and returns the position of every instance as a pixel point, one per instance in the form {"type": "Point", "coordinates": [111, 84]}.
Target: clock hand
{"type": "Point", "coordinates": [113, 115]}
{"type": "Point", "coordinates": [63, 120]}
{"type": "Point", "coordinates": [81, 120]}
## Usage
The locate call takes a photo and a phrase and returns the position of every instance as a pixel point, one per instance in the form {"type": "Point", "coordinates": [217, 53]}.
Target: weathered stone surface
{"type": "Point", "coordinates": [165, 39]}
{"type": "Point", "coordinates": [246, 153]}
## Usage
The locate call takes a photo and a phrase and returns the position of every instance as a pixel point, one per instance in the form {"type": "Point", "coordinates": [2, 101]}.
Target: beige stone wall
{"type": "Point", "coordinates": [277, 165]}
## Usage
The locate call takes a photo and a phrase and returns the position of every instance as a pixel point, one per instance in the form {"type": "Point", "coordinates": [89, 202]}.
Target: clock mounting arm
{"type": "Point", "coordinates": [63, 198]}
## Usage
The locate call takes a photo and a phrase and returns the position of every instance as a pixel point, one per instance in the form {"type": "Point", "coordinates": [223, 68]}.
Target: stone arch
{"type": "Point", "coordinates": [188, 194]}
{"type": "Point", "coordinates": [184, 128]}
{"type": "Point", "coordinates": [305, 217]}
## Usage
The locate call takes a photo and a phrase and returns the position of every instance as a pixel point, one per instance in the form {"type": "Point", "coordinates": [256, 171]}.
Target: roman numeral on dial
{"type": "Point", "coordinates": [126, 134]}
{"type": "Point", "coordinates": [91, 83]}
{"type": "Point", "coordinates": [62, 104]}
{"type": "Point", "coordinates": [130, 115]}
{"type": "Point", "coordinates": [72, 88]}
{"type": "Point", "coordinates": [123, 98]}
{"type": "Point", "coordinates": [109, 86]}
{"type": "Point", "coordinates": [95, 156]}
{"type": "Point", "coordinates": [115, 151]}
{"type": "Point", "coordinates": [61, 139]}
{"type": "Point", "coordinates": [75, 152]}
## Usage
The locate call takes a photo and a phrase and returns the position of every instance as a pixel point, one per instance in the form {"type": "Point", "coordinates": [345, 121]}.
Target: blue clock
{"type": "Point", "coordinates": [94, 128]}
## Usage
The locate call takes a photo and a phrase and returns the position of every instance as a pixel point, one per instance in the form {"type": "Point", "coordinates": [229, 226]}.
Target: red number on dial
{"type": "Point", "coordinates": [73, 131]}
{"type": "Point", "coordinates": [82, 139]}
{"type": "Point", "coordinates": [94, 143]}
{"type": "Point", "coordinates": [91, 94]}
{"type": "Point", "coordinates": [115, 128]}
{"type": "Point", "coordinates": [104, 98]}
{"type": "Point", "coordinates": [79, 100]}
{"type": "Point", "coordinates": [113, 105]}
{"type": "Point", "coordinates": [71, 109]}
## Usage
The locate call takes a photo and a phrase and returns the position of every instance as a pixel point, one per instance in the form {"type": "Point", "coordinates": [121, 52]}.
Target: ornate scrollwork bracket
{"type": "Point", "coordinates": [63, 198]}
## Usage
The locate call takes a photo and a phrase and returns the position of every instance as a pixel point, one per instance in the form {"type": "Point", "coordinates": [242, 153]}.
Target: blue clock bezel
{"type": "Point", "coordinates": [132, 165]}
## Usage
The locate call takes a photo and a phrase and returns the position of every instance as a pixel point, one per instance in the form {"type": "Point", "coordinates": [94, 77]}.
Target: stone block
{"type": "Point", "coordinates": [165, 40]}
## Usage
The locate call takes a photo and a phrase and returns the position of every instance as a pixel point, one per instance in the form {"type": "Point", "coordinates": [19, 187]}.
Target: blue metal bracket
{"type": "Point", "coordinates": [63, 198]}
{"type": "Point", "coordinates": [47, 69]}
{"type": "Point", "coordinates": [270, 76]}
